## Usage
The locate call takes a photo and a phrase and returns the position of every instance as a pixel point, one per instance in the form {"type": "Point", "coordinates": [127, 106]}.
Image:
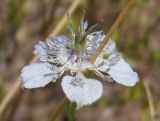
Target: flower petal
{"type": "Point", "coordinates": [37, 75]}
{"type": "Point", "coordinates": [110, 46]}
{"type": "Point", "coordinates": [105, 64]}
{"type": "Point", "coordinates": [85, 25]}
{"type": "Point", "coordinates": [94, 40]}
{"type": "Point", "coordinates": [108, 49]}
{"type": "Point", "coordinates": [55, 50]}
{"type": "Point", "coordinates": [87, 93]}
{"type": "Point", "coordinates": [84, 65]}
{"type": "Point", "coordinates": [122, 73]}
{"type": "Point", "coordinates": [41, 51]}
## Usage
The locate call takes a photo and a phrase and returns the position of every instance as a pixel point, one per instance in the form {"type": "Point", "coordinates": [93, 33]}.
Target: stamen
{"type": "Point", "coordinates": [105, 77]}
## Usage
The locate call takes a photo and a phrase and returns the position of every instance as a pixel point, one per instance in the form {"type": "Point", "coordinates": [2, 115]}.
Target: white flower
{"type": "Point", "coordinates": [59, 54]}
{"type": "Point", "coordinates": [83, 91]}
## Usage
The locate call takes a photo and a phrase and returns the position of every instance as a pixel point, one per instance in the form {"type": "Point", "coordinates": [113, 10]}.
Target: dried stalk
{"type": "Point", "coordinates": [113, 28]}
{"type": "Point", "coordinates": [17, 86]}
{"type": "Point", "coordinates": [150, 100]}
{"type": "Point", "coordinates": [9, 98]}
{"type": "Point", "coordinates": [9, 115]}
{"type": "Point", "coordinates": [59, 109]}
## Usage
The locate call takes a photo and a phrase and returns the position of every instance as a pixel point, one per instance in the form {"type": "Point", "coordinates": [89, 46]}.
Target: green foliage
{"type": "Point", "coordinates": [136, 93]}
{"type": "Point", "coordinates": [146, 115]}
{"type": "Point", "coordinates": [156, 56]}
{"type": "Point", "coordinates": [130, 43]}
{"type": "Point", "coordinates": [70, 110]}
{"type": "Point", "coordinates": [15, 16]}
{"type": "Point", "coordinates": [100, 103]}
{"type": "Point", "coordinates": [141, 2]}
{"type": "Point", "coordinates": [115, 100]}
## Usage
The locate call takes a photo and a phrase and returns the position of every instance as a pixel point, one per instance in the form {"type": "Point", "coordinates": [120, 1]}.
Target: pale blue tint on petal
{"type": "Point", "coordinates": [55, 50]}
{"type": "Point", "coordinates": [110, 46]}
{"type": "Point", "coordinates": [93, 42]}
{"type": "Point", "coordinates": [85, 64]}
{"type": "Point", "coordinates": [85, 25]}
{"type": "Point", "coordinates": [114, 58]}
{"type": "Point", "coordinates": [37, 75]}
{"type": "Point", "coordinates": [123, 74]}
{"type": "Point", "coordinates": [89, 91]}
{"type": "Point", "coordinates": [59, 40]}
{"type": "Point", "coordinates": [40, 50]}
{"type": "Point", "coordinates": [95, 39]}
{"type": "Point", "coordinates": [105, 64]}
{"type": "Point", "coordinates": [59, 47]}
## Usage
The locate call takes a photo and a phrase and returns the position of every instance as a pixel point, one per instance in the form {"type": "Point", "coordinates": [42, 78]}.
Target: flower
{"type": "Point", "coordinates": [59, 54]}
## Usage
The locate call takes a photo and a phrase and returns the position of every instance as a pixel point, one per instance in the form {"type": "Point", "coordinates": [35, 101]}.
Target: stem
{"type": "Point", "coordinates": [113, 28]}
{"type": "Point", "coordinates": [17, 86]}
{"type": "Point", "coordinates": [54, 115]}
{"type": "Point", "coordinates": [150, 100]}
{"type": "Point", "coordinates": [11, 111]}
{"type": "Point", "coordinates": [9, 98]}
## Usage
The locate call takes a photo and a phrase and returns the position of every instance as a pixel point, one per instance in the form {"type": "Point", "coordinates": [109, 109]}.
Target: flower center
{"type": "Point", "coordinates": [78, 80]}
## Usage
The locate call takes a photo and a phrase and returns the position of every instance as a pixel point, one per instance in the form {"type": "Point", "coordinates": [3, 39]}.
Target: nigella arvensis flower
{"type": "Point", "coordinates": [59, 54]}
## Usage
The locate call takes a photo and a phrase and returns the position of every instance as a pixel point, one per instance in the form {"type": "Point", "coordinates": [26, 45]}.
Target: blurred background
{"type": "Point", "coordinates": [24, 22]}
